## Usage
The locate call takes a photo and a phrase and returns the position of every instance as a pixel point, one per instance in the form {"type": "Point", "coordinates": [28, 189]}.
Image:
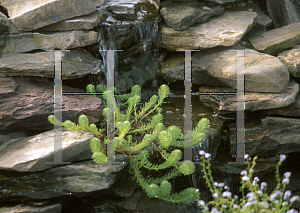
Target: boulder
{"type": "Point", "coordinates": [85, 22]}
{"type": "Point", "coordinates": [275, 41]}
{"type": "Point", "coordinates": [225, 30]}
{"type": "Point", "coordinates": [27, 103]}
{"type": "Point", "coordinates": [29, 209]}
{"type": "Point", "coordinates": [76, 64]}
{"type": "Point", "coordinates": [263, 73]}
{"type": "Point", "coordinates": [80, 179]}
{"type": "Point", "coordinates": [275, 135]}
{"type": "Point", "coordinates": [180, 16]}
{"type": "Point", "coordinates": [284, 12]}
{"type": "Point", "coordinates": [31, 154]}
{"type": "Point", "coordinates": [291, 59]}
{"type": "Point", "coordinates": [30, 15]}
{"type": "Point", "coordinates": [263, 20]}
{"type": "Point", "coordinates": [253, 101]}
{"type": "Point", "coordinates": [26, 42]}
{"type": "Point", "coordinates": [292, 110]}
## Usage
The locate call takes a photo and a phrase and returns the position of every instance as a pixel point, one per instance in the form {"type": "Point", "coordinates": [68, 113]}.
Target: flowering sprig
{"type": "Point", "coordinates": [257, 200]}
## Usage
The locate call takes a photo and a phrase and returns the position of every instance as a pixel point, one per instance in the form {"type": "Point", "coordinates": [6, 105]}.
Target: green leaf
{"type": "Point", "coordinates": [95, 145]}
{"type": "Point", "coordinates": [83, 121]}
{"type": "Point", "coordinates": [94, 128]}
{"type": "Point", "coordinates": [101, 88]}
{"type": "Point", "coordinates": [152, 190]}
{"type": "Point", "coordinates": [90, 88]}
{"type": "Point", "coordinates": [69, 125]}
{"type": "Point", "coordinates": [117, 142]}
{"type": "Point", "coordinates": [99, 157]}
{"type": "Point", "coordinates": [187, 167]}
{"type": "Point", "coordinates": [165, 189]}
{"type": "Point", "coordinates": [175, 131]}
{"type": "Point", "coordinates": [54, 121]}
{"type": "Point", "coordinates": [165, 139]}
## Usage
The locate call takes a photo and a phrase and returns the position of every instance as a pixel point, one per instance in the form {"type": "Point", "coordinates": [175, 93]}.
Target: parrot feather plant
{"type": "Point", "coordinates": [165, 141]}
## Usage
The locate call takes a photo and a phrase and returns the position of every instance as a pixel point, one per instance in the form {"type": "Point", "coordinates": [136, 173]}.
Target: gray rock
{"type": "Point", "coordinates": [221, 1]}
{"type": "Point", "coordinates": [56, 208]}
{"type": "Point", "coordinates": [292, 110]}
{"type": "Point", "coordinates": [25, 42]}
{"type": "Point", "coordinates": [283, 12]}
{"type": "Point", "coordinates": [276, 135]}
{"type": "Point", "coordinates": [291, 58]}
{"type": "Point", "coordinates": [32, 15]}
{"type": "Point", "coordinates": [85, 22]}
{"type": "Point", "coordinates": [263, 73]}
{"type": "Point", "coordinates": [263, 21]}
{"type": "Point", "coordinates": [253, 101]}
{"type": "Point", "coordinates": [31, 154]}
{"type": "Point", "coordinates": [181, 17]}
{"type": "Point", "coordinates": [3, 23]}
{"type": "Point", "coordinates": [14, 135]}
{"type": "Point", "coordinates": [26, 104]}
{"type": "Point", "coordinates": [277, 40]}
{"type": "Point", "coordinates": [76, 64]}
{"type": "Point", "coordinates": [79, 179]}
{"type": "Point", "coordinates": [225, 30]}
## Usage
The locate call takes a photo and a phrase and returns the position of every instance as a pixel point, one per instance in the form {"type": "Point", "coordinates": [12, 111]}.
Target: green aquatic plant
{"type": "Point", "coordinates": [256, 200]}
{"type": "Point", "coordinates": [139, 140]}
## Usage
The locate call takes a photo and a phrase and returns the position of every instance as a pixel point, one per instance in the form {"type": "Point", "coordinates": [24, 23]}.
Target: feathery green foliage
{"type": "Point", "coordinates": [155, 136]}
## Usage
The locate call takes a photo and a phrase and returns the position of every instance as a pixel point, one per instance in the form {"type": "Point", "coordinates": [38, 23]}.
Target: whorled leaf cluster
{"type": "Point", "coordinates": [155, 136]}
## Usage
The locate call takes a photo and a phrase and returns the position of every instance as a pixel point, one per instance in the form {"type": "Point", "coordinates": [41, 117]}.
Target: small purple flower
{"type": "Point", "coordinates": [216, 184]}
{"type": "Point", "coordinates": [220, 185]}
{"type": "Point", "coordinates": [226, 194]}
{"type": "Point", "coordinates": [287, 194]}
{"type": "Point", "coordinates": [201, 152]}
{"type": "Point", "coordinates": [207, 155]}
{"type": "Point", "coordinates": [201, 203]}
{"type": "Point", "coordinates": [246, 156]}
{"type": "Point", "coordinates": [282, 157]}
{"type": "Point", "coordinates": [286, 180]}
{"type": "Point", "coordinates": [244, 172]}
{"type": "Point", "coordinates": [294, 198]}
{"type": "Point", "coordinates": [287, 174]}
{"type": "Point", "coordinates": [263, 185]}
{"type": "Point", "coordinates": [216, 194]}
{"type": "Point", "coordinates": [235, 206]}
{"type": "Point", "coordinates": [245, 178]}
{"type": "Point", "coordinates": [250, 196]}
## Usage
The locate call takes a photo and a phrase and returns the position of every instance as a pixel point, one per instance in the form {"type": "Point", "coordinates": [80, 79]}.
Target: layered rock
{"type": "Point", "coordinates": [30, 15]}
{"type": "Point", "coordinates": [32, 154]}
{"type": "Point", "coordinates": [21, 208]}
{"type": "Point", "coordinates": [76, 64]}
{"type": "Point", "coordinates": [78, 179]}
{"type": "Point", "coordinates": [27, 103]}
{"type": "Point", "coordinates": [291, 58]}
{"type": "Point", "coordinates": [277, 40]}
{"type": "Point", "coordinates": [253, 101]}
{"type": "Point", "coordinates": [25, 42]}
{"type": "Point", "coordinates": [284, 12]}
{"type": "Point", "coordinates": [85, 22]}
{"type": "Point", "coordinates": [292, 110]}
{"type": "Point", "coordinates": [263, 73]}
{"type": "Point", "coordinates": [226, 30]}
{"type": "Point", "coordinates": [267, 138]}
{"type": "Point", "coordinates": [181, 16]}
